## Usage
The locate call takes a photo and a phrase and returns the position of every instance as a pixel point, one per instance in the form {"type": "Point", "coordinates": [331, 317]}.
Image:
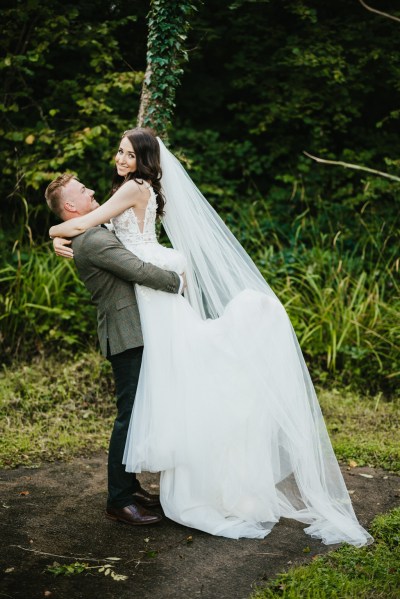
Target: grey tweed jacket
{"type": "Point", "coordinates": [109, 272]}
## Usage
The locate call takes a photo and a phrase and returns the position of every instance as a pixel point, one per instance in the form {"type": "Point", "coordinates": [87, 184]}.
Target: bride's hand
{"type": "Point", "coordinates": [60, 247]}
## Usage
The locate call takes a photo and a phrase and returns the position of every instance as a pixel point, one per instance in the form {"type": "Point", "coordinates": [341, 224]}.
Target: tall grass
{"type": "Point", "coordinates": [43, 304]}
{"type": "Point", "coordinates": [342, 297]}
{"type": "Point", "coordinates": [347, 321]}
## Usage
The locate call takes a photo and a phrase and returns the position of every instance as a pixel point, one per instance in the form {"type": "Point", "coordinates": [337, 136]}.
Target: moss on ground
{"type": "Point", "coordinates": [363, 429]}
{"type": "Point", "coordinates": [61, 407]}
{"type": "Point", "coordinates": [55, 409]}
{"type": "Point", "coordinates": [368, 573]}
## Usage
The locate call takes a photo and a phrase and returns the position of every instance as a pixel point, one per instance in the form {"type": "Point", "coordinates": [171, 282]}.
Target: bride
{"type": "Point", "coordinates": [225, 407]}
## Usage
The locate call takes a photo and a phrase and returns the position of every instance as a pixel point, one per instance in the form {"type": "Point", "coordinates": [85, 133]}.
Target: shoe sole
{"type": "Point", "coordinates": [116, 519]}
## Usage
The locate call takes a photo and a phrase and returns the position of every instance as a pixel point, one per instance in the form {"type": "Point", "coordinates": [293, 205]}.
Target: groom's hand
{"type": "Point", "coordinates": [60, 247]}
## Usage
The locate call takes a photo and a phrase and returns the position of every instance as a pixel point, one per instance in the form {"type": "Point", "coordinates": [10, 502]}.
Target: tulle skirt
{"type": "Point", "coordinates": [222, 411]}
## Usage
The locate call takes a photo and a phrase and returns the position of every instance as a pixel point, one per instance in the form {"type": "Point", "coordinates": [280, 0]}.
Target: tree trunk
{"type": "Point", "coordinates": [168, 23]}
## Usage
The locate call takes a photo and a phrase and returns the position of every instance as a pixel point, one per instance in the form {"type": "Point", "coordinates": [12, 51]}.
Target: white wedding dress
{"type": "Point", "coordinates": [222, 411]}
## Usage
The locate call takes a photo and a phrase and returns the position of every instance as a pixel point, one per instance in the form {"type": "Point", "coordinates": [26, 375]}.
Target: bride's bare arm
{"type": "Point", "coordinates": [125, 197]}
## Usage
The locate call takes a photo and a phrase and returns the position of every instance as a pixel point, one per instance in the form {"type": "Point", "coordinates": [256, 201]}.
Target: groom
{"type": "Point", "coordinates": [109, 272]}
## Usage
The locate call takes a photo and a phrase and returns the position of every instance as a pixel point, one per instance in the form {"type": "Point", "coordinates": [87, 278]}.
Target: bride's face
{"type": "Point", "coordinates": [125, 159]}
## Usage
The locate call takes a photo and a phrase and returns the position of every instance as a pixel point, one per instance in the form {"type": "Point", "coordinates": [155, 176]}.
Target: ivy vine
{"type": "Point", "coordinates": [168, 23]}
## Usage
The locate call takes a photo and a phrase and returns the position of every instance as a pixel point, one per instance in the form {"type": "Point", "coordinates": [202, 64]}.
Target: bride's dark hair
{"type": "Point", "coordinates": [148, 168]}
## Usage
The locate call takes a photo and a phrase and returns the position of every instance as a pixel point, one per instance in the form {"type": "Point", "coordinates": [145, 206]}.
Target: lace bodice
{"type": "Point", "coordinates": [128, 227]}
{"type": "Point", "coordinates": [139, 236]}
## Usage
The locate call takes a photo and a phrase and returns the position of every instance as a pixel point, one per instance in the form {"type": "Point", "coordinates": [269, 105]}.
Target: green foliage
{"type": "Point", "coordinates": [66, 97]}
{"type": "Point", "coordinates": [347, 573]}
{"type": "Point", "coordinates": [79, 567]}
{"type": "Point", "coordinates": [67, 569]}
{"type": "Point", "coordinates": [386, 529]}
{"type": "Point", "coordinates": [292, 76]}
{"type": "Point", "coordinates": [43, 305]}
{"type": "Point", "coordinates": [168, 23]}
{"type": "Point", "coordinates": [265, 81]}
{"type": "Point", "coordinates": [345, 316]}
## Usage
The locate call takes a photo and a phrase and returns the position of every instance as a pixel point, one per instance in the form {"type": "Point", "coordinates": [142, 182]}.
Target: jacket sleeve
{"type": "Point", "coordinates": [103, 250]}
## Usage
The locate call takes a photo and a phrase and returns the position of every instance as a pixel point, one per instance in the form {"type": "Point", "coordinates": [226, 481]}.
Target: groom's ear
{"type": "Point", "coordinates": [69, 207]}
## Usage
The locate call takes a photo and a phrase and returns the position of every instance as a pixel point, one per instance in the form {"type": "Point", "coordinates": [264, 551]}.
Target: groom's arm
{"type": "Point", "coordinates": [103, 250]}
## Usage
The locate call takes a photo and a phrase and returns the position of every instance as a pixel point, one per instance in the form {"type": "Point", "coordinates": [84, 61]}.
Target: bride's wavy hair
{"type": "Point", "coordinates": [148, 168]}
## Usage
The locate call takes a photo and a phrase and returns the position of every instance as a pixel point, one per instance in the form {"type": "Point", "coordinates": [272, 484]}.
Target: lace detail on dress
{"type": "Point", "coordinates": [127, 226]}
{"type": "Point", "coordinates": [143, 242]}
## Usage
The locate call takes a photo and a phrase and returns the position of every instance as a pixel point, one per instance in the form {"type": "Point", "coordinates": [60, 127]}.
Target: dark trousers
{"type": "Point", "coordinates": [126, 369]}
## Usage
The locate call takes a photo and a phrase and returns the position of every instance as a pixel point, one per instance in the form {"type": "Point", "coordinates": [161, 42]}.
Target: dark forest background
{"type": "Point", "coordinates": [265, 81]}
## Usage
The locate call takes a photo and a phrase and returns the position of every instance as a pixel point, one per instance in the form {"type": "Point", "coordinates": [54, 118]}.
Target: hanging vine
{"type": "Point", "coordinates": [168, 23]}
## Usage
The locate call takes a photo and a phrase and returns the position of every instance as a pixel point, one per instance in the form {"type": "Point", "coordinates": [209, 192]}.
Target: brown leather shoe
{"type": "Point", "coordinates": [133, 514]}
{"type": "Point", "coordinates": [146, 499]}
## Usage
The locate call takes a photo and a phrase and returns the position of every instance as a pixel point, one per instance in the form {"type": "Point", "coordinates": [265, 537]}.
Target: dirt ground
{"type": "Point", "coordinates": [59, 509]}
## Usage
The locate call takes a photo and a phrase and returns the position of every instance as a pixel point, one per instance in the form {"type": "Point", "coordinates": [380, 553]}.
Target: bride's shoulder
{"type": "Point", "coordinates": [143, 184]}
{"type": "Point", "coordinates": [131, 184]}
{"type": "Point", "coordinates": [136, 185]}
{"type": "Point", "coordinates": [130, 188]}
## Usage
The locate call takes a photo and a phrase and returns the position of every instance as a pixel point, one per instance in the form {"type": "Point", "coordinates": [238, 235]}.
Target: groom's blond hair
{"type": "Point", "coordinates": [54, 193]}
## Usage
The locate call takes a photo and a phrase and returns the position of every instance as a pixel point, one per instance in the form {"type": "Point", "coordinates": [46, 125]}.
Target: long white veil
{"type": "Point", "coordinates": [218, 266]}
{"type": "Point", "coordinates": [310, 487]}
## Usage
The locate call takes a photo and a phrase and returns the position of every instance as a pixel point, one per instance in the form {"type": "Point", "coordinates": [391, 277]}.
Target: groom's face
{"type": "Point", "coordinates": [78, 199]}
